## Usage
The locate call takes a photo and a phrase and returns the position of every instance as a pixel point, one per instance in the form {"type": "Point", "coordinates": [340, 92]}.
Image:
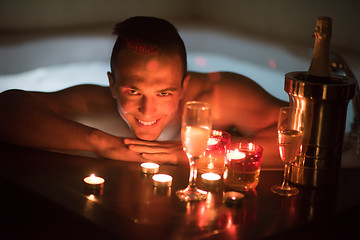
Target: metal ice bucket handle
{"type": "Point", "coordinates": [340, 67]}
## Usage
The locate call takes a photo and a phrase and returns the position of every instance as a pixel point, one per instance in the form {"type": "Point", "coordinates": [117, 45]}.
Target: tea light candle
{"type": "Point", "coordinates": [94, 180]}
{"type": "Point", "coordinates": [149, 168]}
{"type": "Point", "coordinates": [162, 180]}
{"type": "Point", "coordinates": [93, 185]}
{"type": "Point", "coordinates": [235, 154]}
{"type": "Point", "coordinates": [233, 198]}
{"type": "Point", "coordinates": [212, 141]}
{"type": "Point", "coordinates": [210, 178]}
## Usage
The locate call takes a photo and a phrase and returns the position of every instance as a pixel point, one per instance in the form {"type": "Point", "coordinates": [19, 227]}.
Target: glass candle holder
{"type": "Point", "coordinates": [243, 167]}
{"type": "Point", "coordinates": [214, 159]}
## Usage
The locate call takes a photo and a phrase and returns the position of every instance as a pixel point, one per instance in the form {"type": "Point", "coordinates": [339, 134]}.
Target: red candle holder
{"type": "Point", "coordinates": [243, 167]}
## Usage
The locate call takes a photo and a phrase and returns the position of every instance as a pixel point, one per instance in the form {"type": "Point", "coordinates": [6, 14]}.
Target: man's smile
{"type": "Point", "coordinates": [147, 123]}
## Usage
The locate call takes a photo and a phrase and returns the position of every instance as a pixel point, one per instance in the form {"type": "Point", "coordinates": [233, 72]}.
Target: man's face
{"type": "Point", "coordinates": [147, 89]}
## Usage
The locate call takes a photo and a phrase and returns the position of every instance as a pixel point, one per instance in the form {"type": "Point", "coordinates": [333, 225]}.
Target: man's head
{"type": "Point", "coordinates": [148, 74]}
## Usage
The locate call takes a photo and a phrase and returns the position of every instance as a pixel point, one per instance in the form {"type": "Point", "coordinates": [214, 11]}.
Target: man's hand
{"type": "Point", "coordinates": [160, 151]}
{"type": "Point", "coordinates": [112, 147]}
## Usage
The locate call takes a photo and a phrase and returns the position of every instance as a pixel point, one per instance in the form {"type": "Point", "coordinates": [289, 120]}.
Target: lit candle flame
{"type": "Point", "coordinates": [236, 154]}
{"type": "Point", "coordinates": [212, 141]}
{"type": "Point", "coordinates": [162, 177]}
{"type": "Point", "coordinates": [149, 167]}
{"type": "Point", "coordinates": [251, 146]}
{"type": "Point", "coordinates": [210, 165]}
{"type": "Point", "coordinates": [162, 180]}
{"type": "Point", "coordinates": [92, 179]}
{"type": "Point", "coordinates": [211, 176]}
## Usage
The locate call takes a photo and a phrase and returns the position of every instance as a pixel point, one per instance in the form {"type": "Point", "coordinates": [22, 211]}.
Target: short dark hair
{"type": "Point", "coordinates": [148, 35]}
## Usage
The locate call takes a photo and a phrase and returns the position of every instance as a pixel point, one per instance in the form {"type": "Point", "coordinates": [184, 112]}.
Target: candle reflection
{"type": "Point", "coordinates": [249, 206]}
{"type": "Point", "coordinates": [162, 191]}
{"type": "Point", "coordinates": [89, 207]}
{"type": "Point", "coordinates": [91, 197]}
{"type": "Point", "coordinates": [151, 205]}
{"type": "Point", "coordinates": [205, 214]}
{"type": "Point", "coordinates": [213, 215]}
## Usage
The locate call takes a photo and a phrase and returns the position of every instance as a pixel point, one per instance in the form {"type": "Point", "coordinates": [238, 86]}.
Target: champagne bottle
{"type": "Point", "coordinates": [319, 70]}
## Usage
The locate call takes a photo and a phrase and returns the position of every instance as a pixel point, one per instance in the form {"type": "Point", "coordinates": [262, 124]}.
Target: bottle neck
{"type": "Point", "coordinates": [320, 66]}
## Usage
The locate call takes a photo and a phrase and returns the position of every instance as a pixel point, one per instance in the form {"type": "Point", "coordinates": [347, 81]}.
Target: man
{"type": "Point", "coordinates": [138, 117]}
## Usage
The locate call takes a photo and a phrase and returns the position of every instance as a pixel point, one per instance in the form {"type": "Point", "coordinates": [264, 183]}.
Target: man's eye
{"type": "Point", "coordinates": [164, 94]}
{"type": "Point", "coordinates": [133, 92]}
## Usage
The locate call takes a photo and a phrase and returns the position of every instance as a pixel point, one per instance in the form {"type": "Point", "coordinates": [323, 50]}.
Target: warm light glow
{"type": "Point", "coordinates": [210, 165]}
{"type": "Point", "coordinates": [149, 167]}
{"type": "Point", "coordinates": [235, 154]}
{"type": "Point", "coordinates": [152, 65]}
{"type": "Point", "coordinates": [229, 223]}
{"type": "Point", "coordinates": [213, 141]}
{"type": "Point", "coordinates": [211, 176]}
{"type": "Point", "coordinates": [162, 180]}
{"type": "Point", "coordinates": [91, 197]}
{"type": "Point", "coordinates": [251, 146]}
{"type": "Point", "coordinates": [94, 179]}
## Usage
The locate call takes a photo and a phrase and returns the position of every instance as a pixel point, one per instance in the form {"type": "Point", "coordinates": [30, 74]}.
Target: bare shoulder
{"type": "Point", "coordinates": [198, 84]}
{"type": "Point", "coordinates": [237, 100]}
{"type": "Point", "coordinates": [83, 91]}
{"type": "Point", "coordinates": [202, 84]}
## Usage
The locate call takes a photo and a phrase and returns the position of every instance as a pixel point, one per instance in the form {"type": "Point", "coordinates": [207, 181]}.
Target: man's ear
{"type": "Point", "coordinates": [185, 84]}
{"type": "Point", "coordinates": [111, 84]}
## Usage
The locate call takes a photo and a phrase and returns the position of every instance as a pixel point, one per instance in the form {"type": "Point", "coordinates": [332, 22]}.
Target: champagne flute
{"type": "Point", "coordinates": [195, 132]}
{"type": "Point", "coordinates": [290, 135]}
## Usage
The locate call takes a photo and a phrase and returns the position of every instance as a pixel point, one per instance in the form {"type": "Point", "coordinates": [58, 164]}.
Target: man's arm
{"type": "Point", "coordinates": [45, 120]}
{"type": "Point", "coordinates": [28, 120]}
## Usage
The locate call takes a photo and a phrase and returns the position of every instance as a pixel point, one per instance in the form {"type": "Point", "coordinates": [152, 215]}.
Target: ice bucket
{"type": "Point", "coordinates": [325, 108]}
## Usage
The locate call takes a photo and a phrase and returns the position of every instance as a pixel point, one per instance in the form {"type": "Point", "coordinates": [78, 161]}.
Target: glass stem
{"type": "Point", "coordinates": [193, 173]}
{"type": "Point", "coordinates": [285, 183]}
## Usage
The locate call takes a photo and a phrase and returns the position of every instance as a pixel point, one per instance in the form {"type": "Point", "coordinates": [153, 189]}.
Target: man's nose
{"type": "Point", "coordinates": [147, 106]}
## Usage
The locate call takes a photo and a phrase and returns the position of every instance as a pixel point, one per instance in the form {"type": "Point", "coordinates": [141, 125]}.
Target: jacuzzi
{"type": "Point", "coordinates": [53, 62]}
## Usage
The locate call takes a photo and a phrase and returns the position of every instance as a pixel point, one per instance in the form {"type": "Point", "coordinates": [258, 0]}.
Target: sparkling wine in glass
{"type": "Point", "coordinates": [290, 136]}
{"type": "Point", "coordinates": [195, 132]}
